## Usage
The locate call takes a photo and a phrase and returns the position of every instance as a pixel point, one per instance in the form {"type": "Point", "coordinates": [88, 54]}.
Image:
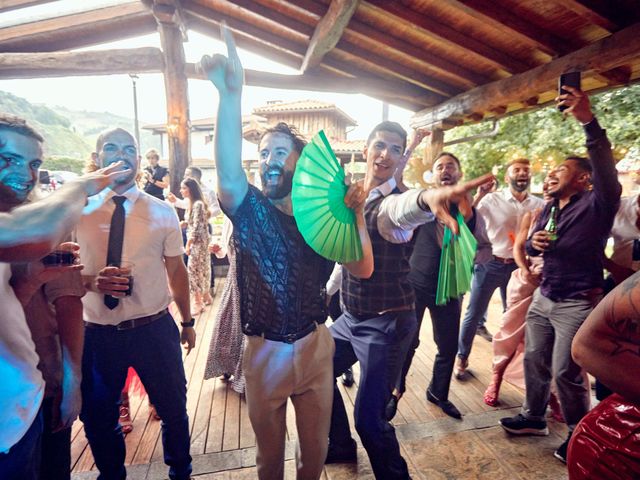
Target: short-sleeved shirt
{"type": "Point", "coordinates": [280, 278]}
{"type": "Point", "coordinates": [151, 232]}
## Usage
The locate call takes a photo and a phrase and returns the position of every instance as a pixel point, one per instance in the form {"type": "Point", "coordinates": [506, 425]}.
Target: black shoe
{"type": "Point", "coordinates": [342, 454]}
{"type": "Point", "coordinates": [519, 425]}
{"type": "Point", "coordinates": [484, 333]}
{"type": "Point", "coordinates": [392, 407]}
{"type": "Point", "coordinates": [561, 452]}
{"type": "Point", "coordinates": [446, 406]}
{"type": "Point", "coordinates": [347, 378]}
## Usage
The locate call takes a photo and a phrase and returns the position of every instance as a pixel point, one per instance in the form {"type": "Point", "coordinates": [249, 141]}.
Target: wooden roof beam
{"type": "Point", "coordinates": [95, 62]}
{"type": "Point", "coordinates": [446, 35]}
{"type": "Point", "coordinates": [6, 5]}
{"type": "Point", "coordinates": [383, 90]}
{"type": "Point", "coordinates": [305, 14]}
{"type": "Point", "coordinates": [328, 31]}
{"type": "Point", "coordinates": [592, 11]}
{"type": "Point", "coordinates": [78, 30]}
{"type": "Point", "coordinates": [261, 30]}
{"type": "Point", "coordinates": [502, 19]}
{"type": "Point", "coordinates": [606, 54]}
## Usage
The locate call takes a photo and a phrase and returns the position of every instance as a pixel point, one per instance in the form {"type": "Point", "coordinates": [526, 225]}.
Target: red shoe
{"type": "Point", "coordinates": [492, 392]}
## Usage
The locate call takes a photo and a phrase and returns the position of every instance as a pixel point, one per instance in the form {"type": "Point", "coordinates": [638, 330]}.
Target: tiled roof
{"type": "Point", "coordinates": [302, 106]}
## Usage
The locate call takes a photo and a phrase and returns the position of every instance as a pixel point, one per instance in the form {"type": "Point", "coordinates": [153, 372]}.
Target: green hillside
{"type": "Point", "coordinates": [69, 135]}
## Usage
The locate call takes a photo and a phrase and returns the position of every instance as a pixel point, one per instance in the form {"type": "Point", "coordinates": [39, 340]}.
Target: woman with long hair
{"type": "Point", "coordinates": [197, 219]}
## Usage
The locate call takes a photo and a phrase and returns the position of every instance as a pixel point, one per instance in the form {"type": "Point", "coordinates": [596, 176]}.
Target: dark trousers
{"type": "Point", "coordinates": [445, 320]}
{"type": "Point", "coordinates": [153, 350]}
{"type": "Point", "coordinates": [380, 345]}
{"type": "Point", "coordinates": [56, 448]}
{"type": "Point", "coordinates": [22, 461]}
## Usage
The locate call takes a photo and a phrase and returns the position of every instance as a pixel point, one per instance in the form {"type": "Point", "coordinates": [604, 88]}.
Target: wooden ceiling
{"type": "Point", "coordinates": [450, 61]}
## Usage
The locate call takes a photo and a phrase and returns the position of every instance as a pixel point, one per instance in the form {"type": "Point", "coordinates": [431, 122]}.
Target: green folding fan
{"type": "Point", "coordinates": [456, 262]}
{"type": "Point", "coordinates": [325, 222]}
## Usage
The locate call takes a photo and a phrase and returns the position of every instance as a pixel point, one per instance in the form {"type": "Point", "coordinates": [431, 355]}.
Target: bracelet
{"type": "Point", "coordinates": [190, 323]}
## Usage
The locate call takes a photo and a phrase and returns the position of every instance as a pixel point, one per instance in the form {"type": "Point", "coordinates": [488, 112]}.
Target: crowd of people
{"type": "Point", "coordinates": [103, 299]}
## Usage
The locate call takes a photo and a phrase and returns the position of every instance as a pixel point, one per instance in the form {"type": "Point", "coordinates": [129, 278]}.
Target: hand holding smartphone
{"type": "Point", "coordinates": [571, 79]}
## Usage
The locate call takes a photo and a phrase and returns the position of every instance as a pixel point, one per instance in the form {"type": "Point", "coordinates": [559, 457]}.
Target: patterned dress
{"type": "Point", "coordinates": [227, 343]}
{"type": "Point", "coordinates": [199, 261]}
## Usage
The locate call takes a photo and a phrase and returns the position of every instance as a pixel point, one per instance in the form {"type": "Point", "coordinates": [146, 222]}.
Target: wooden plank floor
{"type": "Point", "coordinates": [434, 445]}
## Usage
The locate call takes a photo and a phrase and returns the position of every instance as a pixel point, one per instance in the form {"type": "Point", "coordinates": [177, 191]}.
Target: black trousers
{"type": "Point", "coordinates": [445, 320]}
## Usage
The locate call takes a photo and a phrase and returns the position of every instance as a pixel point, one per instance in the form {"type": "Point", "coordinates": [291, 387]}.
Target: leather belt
{"type": "Point", "coordinates": [506, 261]}
{"type": "Point", "coordinates": [285, 338]}
{"type": "Point", "coordinates": [129, 324]}
{"type": "Point", "coordinates": [360, 316]}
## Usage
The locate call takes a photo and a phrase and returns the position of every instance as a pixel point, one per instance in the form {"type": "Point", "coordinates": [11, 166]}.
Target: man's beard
{"type": "Point", "coordinates": [519, 187]}
{"type": "Point", "coordinates": [282, 189]}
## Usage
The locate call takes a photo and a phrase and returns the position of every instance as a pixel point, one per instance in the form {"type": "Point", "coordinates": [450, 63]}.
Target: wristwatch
{"type": "Point", "coordinates": [190, 323]}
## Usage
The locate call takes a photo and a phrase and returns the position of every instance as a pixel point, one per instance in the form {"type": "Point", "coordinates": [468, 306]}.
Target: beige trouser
{"type": "Point", "coordinates": [302, 370]}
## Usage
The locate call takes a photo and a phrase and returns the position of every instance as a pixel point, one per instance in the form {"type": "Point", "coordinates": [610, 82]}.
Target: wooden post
{"type": "Point", "coordinates": [435, 145]}
{"type": "Point", "coordinates": [176, 89]}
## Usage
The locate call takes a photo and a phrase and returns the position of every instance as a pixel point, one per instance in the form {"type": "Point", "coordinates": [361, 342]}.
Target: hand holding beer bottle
{"type": "Point", "coordinates": [542, 240]}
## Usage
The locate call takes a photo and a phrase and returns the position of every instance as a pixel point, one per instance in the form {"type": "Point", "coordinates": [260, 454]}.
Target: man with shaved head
{"type": "Point", "coordinates": [127, 324]}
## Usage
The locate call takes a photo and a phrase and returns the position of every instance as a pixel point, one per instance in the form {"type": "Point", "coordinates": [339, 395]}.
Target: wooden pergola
{"type": "Point", "coordinates": [449, 61]}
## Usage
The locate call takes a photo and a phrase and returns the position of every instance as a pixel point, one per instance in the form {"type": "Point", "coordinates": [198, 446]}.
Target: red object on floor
{"type": "Point", "coordinates": [606, 442]}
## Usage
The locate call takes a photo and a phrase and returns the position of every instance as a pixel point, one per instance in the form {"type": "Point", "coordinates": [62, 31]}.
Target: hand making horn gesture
{"type": "Point", "coordinates": [226, 73]}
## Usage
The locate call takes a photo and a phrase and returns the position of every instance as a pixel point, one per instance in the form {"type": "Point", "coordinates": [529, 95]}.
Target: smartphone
{"type": "Point", "coordinates": [571, 79]}
{"type": "Point", "coordinates": [43, 177]}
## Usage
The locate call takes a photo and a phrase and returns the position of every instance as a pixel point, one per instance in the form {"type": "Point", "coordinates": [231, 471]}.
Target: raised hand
{"type": "Point", "coordinates": [97, 181]}
{"type": "Point", "coordinates": [440, 199]}
{"type": "Point", "coordinates": [225, 73]}
{"type": "Point", "coordinates": [577, 103]}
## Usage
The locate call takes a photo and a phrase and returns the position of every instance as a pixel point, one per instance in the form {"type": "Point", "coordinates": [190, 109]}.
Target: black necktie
{"type": "Point", "coordinates": [116, 237]}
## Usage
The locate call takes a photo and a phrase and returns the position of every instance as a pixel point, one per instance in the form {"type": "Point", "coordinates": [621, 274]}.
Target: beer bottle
{"type": "Point", "coordinates": [552, 226]}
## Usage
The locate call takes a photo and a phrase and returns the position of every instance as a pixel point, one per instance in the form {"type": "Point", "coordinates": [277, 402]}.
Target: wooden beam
{"type": "Point", "coordinates": [328, 31]}
{"type": "Point", "coordinates": [96, 62]}
{"type": "Point", "coordinates": [404, 97]}
{"type": "Point", "coordinates": [610, 52]}
{"type": "Point", "coordinates": [6, 5]}
{"type": "Point", "coordinates": [176, 91]}
{"type": "Point", "coordinates": [435, 145]}
{"type": "Point", "coordinates": [502, 19]}
{"type": "Point", "coordinates": [447, 35]}
{"type": "Point", "coordinates": [591, 11]}
{"type": "Point", "coordinates": [78, 30]}
{"type": "Point", "coordinates": [261, 31]}
{"type": "Point", "coordinates": [305, 14]}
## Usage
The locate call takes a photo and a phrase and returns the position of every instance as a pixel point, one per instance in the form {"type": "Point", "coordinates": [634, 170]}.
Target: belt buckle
{"type": "Point", "coordinates": [121, 326]}
{"type": "Point", "coordinates": [290, 338]}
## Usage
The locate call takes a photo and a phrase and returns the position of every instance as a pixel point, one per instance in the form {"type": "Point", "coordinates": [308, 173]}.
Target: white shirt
{"type": "Point", "coordinates": [502, 214]}
{"type": "Point", "coordinates": [624, 232]}
{"type": "Point", "coordinates": [22, 383]}
{"type": "Point", "coordinates": [151, 232]}
{"type": "Point", "coordinates": [399, 215]}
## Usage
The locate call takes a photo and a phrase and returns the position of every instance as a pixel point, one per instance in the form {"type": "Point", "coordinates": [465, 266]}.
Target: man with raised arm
{"type": "Point", "coordinates": [27, 233]}
{"type": "Point", "coordinates": [571, 282]}
{"type": "Point", "coordinates": [378, 320]}
{"type": "Point", "coordinates": [281, 282]}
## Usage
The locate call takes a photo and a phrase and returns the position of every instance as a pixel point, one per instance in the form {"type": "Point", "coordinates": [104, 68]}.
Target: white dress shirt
{"type": "Point", "coordinates": [502, 214]}
{"type": "Point", "coordinates": [399, 215]}
{"type": "Point", "coordinates": [151, 232]}
{"type": "Point", "coordinates": [624, 232]}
